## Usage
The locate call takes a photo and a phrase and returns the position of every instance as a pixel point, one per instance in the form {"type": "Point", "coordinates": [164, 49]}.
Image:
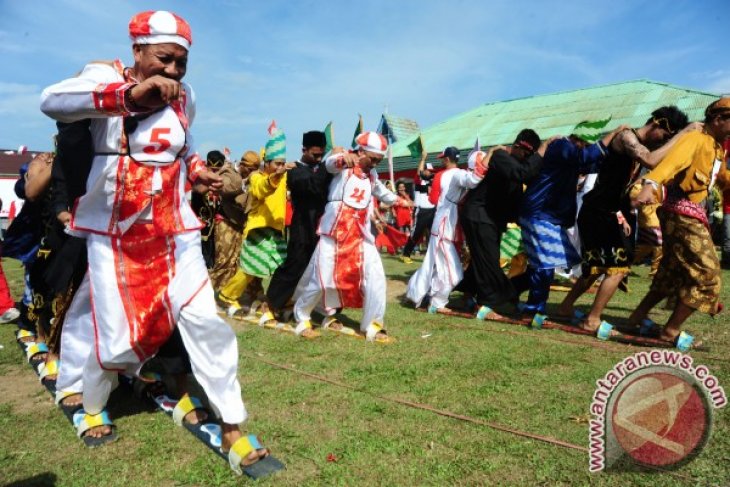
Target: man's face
{"type": "Point", "coordinates": [657, 136]}
{"type": "Point", "coordinates": [244, 170]}
{"type": "Point", "coordinates": [271, 166]}
{"type": "Point", "coordinates": [169, 60]}
{"type": "Point", "coordinates": [312, 155]}
{"type": "Point", "coordinates": [720, 126]}
{"type": "Point", "coordinates": [520, 153]}
{"type": "Point", "coordinates": [370, 161]}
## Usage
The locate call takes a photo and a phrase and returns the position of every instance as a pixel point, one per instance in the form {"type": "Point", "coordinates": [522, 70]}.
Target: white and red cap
{"type": "Point", "coordinates": [372, 142]}
{"type": "Point", "coordinates": [160, 27]}
{"type": "Point", "coordinates": [475, 158]}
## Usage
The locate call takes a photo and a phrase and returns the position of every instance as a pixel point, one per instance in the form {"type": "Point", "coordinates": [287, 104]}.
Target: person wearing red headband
{"type": "Point", "coordinates": [146, 272]}
{"type": "Point", "coordinates": [345, 270]}
{"type": "Point", "coordinates": [485, 213]}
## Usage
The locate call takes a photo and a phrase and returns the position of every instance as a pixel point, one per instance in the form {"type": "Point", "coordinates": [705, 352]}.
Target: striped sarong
{"type": "Point", "coordinates": [511, 243]}
{"type": "Point", "coordinates": [263, 251]}
{"type": "Point", "coordinates": [547, 245]}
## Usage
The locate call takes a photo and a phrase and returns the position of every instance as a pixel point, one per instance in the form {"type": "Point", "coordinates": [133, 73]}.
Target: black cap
{"type": "Point", "coordinates": [215, 158]}
{"type": "Point", "coordinates": [314, 138]}
{"type": "Point", "coordinates": [450, 152]}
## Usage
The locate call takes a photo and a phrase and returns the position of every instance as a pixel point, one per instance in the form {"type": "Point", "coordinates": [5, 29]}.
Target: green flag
{"type": "Point", "coordinates": [416, 147]}
{"type": "Point", "coordinates": [358, 130]}
{"type": "Point", "coordinates": [591, 130]}
{"type": "Point", "coordinates": [330, 136]}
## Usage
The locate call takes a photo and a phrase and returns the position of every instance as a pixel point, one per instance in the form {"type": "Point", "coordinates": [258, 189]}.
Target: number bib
{"type": "Point", "coordinates": [158, 138]}
{"type": "Point", "coordinates": [357, 192]}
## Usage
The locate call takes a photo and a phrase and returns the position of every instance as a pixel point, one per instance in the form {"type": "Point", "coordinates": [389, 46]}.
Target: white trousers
{"type": "Point", "coordinates": [438, 275]}
{"type": "Point", "coordinates": [77, 340]}
{"type": "Point", "coordinates": [317, 286]}
{"type": "Point", "coordinates": [209, 341]}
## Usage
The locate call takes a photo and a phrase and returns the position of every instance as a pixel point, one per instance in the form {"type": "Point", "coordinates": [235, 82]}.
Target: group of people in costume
{"type": "Point", "coordinates": [125, 271]}
{"type": "Point", "coordinates": [663, 171]}
{"type": "Point", "coordinates": [117, 273]}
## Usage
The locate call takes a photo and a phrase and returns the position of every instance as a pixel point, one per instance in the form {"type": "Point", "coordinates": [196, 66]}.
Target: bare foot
{"type": "Point", "coordinates": [98, 431]}
{"type": "Point", "coordinates": [333, 324]}
{"type": "Point", "coordinates": [231, 434]}
{"type": "Point", "coordinates": [72, 400]}
{"type": "Point", "coordinates": [589, 325]}
{"type": "Point", "coordinates": [309, 333]}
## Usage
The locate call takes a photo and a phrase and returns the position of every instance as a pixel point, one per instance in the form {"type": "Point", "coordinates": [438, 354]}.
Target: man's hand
{"type": "Point", "coordinates": [626, 227]}
{"type": "Point", "coordinates": [290, 165]}
{"type": "Point", "coordinates": [645, 196]}
{"type": "Point", "coordinates": [692, 127]}
{"type": "Point", "coordinates": [155, 92]}
{"type": "Point", "coordinates": [210, 179]}
{"type": "Point", "coordinates": [351, 159]}
{"type": "Point", "coordinates": [64, 217]}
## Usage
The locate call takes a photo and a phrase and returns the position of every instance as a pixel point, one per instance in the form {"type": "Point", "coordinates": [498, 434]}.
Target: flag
{"type": "Point", "coordinates": [22, 149]}
{"type": "Point", "coordinates": [391, 239]}
{"type": "Point", "coordinates": [477, 147]}
{"type": "Point", "coordinates": [358, 130]}
{"type": "Point", "coordinates": [227, 153]}
{"type": "Point", "coordinates": [330, 136]}
{"type": "Point", "coordinates": [272, 127]}
{"type": "Point", "coordinates": [416, 147]}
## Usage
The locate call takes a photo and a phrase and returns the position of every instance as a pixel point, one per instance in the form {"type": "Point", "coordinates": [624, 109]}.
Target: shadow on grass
{"type": "Point", "coordinates": [40, 480]}
{"type": "Point", "coordinates": [122, 402]}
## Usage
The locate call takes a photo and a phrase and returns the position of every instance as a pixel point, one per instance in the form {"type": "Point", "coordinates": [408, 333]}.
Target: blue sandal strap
{"type": "Point", "coordinates": [483, 312]}
{"type": "Point", "coordinates": [538, 320]}
{"type": "Point", "coordinates": [604, 330]}
{"type": "Point", "coordinates": [684, 341]}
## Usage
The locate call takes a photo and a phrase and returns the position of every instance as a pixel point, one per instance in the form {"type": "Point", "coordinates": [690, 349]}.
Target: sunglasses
{"type": "Point", "coordinates": [663, 123]}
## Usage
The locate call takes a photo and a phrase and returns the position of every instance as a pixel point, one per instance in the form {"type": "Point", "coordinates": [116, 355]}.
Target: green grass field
{"type": "Point", "coordinates": [353, 430]}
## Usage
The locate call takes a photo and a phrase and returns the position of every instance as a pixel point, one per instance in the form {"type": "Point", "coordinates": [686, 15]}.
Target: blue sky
{"type": "Point", "coordinates": [305, 63]}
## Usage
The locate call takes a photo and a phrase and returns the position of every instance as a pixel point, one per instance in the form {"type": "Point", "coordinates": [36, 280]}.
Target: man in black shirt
{"type": "Point", "coordinates": [425, 210]}
{"type": "Point", "coordinates": [485, 212]}
{"type": "Point", "coordinates": [307, 183]}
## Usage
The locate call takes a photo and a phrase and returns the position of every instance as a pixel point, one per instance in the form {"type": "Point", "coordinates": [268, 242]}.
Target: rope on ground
{"type": "Point", "coordinates": [426, 407]}
{"type": "Point", "coordinates": [442, 412]}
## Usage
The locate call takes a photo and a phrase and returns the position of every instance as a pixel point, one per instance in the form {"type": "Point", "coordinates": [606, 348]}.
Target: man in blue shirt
{"type": "Point", "coordinates": [549, 209]}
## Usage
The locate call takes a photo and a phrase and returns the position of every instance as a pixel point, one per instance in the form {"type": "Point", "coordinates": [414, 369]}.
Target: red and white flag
{"type": "Point", "coordinates": [272, 127]}
{"type": "Point", "coordinates": [22, 149]}
{"type": "Point", "coordinates": [227, 153]}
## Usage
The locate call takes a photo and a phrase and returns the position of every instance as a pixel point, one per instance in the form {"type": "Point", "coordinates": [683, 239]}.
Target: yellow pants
{"type": "Point", "coordinates": [235, 287]}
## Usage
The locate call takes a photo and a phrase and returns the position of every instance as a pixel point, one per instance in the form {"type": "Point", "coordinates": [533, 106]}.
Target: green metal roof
{"type": "Point", "coordinates": [629, 102]}
{"type": "Point", "coordinates": [398, 128]}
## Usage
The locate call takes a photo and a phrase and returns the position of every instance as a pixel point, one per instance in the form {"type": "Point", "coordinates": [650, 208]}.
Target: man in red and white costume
{"type": "Point", "coordinates": [441, 269]}
{"type": "Point", "coordinates": [146, 271]}
{"type": "Point", "coordinates": [345, 270]}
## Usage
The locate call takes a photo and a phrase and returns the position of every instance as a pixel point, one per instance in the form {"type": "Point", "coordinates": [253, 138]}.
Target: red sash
{"type": "Point", "coordinates": [348, 238]}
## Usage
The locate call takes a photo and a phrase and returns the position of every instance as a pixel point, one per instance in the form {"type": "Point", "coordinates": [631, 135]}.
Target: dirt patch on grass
{"type": "Point", "coordinates": [396, 290]}
{"type": "Point", "coordinates": [21, 389]}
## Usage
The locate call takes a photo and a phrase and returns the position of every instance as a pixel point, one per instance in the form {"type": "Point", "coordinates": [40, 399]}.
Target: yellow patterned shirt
{"type": "Point", "coordinates": [693, 164]}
